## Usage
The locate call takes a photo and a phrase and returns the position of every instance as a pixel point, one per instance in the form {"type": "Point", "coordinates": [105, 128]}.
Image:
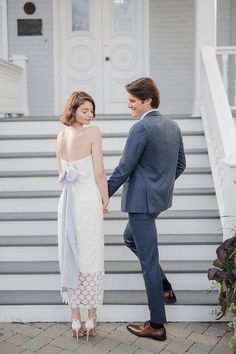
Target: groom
{"type": "Point", "coordinates": [152, 159]}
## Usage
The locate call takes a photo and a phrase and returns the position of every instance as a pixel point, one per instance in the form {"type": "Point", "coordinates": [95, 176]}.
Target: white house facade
{"type": "Point", "coordinates": [106, 45]}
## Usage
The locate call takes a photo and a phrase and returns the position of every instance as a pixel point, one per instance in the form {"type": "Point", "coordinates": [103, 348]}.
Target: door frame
{"type": "Point", "coordinates": [3, 31]}
{"type": "Point", "coordinates": [59, 24]}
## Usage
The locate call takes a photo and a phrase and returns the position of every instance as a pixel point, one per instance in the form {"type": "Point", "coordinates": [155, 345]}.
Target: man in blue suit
{"type": "Point", "coordinates": [152, 159]}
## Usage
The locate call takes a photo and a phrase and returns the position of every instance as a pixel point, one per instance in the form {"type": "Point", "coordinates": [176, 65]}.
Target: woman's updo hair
{"type": "Point", "coordinates": [75, 100]}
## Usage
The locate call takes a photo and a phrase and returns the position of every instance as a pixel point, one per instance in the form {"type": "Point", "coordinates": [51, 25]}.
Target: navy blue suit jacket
{"type": "Point", "coordinates": [152, 159]}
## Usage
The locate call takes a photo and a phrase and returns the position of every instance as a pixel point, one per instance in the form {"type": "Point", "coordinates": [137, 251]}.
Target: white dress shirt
{"type": "Point", "coordinates": [152, 110]}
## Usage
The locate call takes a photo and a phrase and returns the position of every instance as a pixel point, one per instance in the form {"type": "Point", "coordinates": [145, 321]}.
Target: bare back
{"type": "Point", "coordinates": [74, 145]}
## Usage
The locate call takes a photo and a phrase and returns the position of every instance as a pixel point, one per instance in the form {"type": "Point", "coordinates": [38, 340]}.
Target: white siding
{"type": "Point", "coordinates": [172, 53]}
{"type": "Point", "coordinates": [39, 50]}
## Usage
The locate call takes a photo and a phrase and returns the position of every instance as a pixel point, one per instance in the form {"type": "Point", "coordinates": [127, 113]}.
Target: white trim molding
{"type": "Point", "coordinates": [147, 37]}
{"type": "Point", "coordinates": [3, 30]}
{"type": "Point", "coordinates": [56, 36]}
{"type": "Point", "coordinates": [205, 35]}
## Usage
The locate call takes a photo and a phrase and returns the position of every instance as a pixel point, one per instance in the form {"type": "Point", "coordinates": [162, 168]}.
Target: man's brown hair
{"type": "Point", "coordinates": [75, 100]}
{"type": "Point", "coordinates": [143, 89]}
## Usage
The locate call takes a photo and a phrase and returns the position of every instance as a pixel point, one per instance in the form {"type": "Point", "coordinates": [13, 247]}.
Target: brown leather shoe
{"type": "Point", "coordinates": [145, 330]}
{"type": "Point", "coordinates": [169, 297]}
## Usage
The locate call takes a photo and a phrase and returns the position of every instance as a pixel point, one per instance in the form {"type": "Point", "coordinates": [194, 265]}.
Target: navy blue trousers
{"type": "Point", "coordinates": [140, 237]}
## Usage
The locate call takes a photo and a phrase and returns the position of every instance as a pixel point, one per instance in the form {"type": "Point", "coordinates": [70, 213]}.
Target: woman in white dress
{"type": "Point", "coordinates": [82, 203]}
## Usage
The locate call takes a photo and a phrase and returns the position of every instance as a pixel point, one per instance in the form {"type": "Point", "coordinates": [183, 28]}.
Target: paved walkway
{"type": "Point", "coordinates": [113, 338]}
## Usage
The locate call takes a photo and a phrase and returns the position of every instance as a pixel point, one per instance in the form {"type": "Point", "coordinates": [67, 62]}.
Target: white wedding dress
{"type": "Point", "coordinates": [89, 237]}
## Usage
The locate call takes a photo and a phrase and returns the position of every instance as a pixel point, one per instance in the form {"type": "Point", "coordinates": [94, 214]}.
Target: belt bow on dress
{"type": "Point", "coordinates": [68, 254]}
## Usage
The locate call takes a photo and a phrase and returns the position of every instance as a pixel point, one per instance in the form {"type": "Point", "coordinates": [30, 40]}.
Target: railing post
{"type": "Point", "coordinates": [205, 35]}
{"type": "Point", "coordinates": [220, 136]}
{"type": "Point", "coordinates": [21, 61]}
{"type": "Point", "coordinates": [229, 217]}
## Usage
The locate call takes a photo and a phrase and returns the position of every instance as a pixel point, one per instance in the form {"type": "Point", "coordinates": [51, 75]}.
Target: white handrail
{"type": "Point", "coordinates": [220, 135]}
{"type": "Point", "coordinates": [13, 87]}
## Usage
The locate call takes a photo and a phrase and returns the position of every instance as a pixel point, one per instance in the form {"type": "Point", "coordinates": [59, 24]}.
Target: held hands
{"type": "Point", "coordinates": [105, 206]}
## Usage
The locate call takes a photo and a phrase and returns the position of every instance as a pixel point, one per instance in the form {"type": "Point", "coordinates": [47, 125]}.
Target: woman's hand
{"type": "Point", "coordinates": [105, 206]}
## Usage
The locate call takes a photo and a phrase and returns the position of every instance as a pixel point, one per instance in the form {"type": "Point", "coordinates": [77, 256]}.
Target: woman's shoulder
{"type": "Point", "coordinates": [93, 131]}
{"type": "Point", "coordinates": [61, 133]}
{"type": "Point", "coordinates": [61, 136]}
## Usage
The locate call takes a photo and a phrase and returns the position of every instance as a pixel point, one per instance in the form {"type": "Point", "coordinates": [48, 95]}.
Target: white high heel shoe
{"type": "Point", "coordinates": [90, 327]}
{"type": "Point", "coordinates": [76, 326]}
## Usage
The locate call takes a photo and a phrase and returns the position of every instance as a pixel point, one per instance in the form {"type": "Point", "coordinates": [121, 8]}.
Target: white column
{"type": "Point", "coordinates": [3, 30]}
{"type": "Point", "coordinates": [205, 35]}
{"type": "Point", "coordinates": [21, 60]}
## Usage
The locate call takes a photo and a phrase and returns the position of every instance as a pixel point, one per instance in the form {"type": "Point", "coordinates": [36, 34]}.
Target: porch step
{"type": "Point", "coordinates": [35, 201]}
{"type": "Point", "coordinates": [112, 240]}
{"type": "Point", "coordinates": [25, 160]}
{"type": "Point", "coordinates": [48, 173]}
{"type": "Point", "coordinates": [202, 221]}
{"type": "Point", "coordinates": [56, 194]}
{"type": "Point", "coordinates": [104, 135]}
{"type": "Point", "coordinates": [110, 124]}
{"type": "Point", "coordinates": [111, 267]}
{"type": "Point", "coordinates": [114, 140]}
{"type": "Point", "coordinates": [126, 305]}
{"type": "Point", "coordinates": [120, 275]}
{"type": "Point", "coordinates": [194, 177]}
{"type": "Point", "coordinates": [169, 251]}
{"type": "Point", "coordinates": [110, 298]}
{"type": "Point", "coordinates": [116, 215]}
{"type": "Point", "coordinates": [22, 155]}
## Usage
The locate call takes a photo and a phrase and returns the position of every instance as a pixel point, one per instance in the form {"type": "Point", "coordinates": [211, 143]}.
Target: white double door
{"type": "Point", "coordinates": [101, 47]}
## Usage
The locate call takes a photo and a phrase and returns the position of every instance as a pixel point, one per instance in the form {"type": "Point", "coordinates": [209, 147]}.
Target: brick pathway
{"type": "Point", "coordinates": [113, 338]}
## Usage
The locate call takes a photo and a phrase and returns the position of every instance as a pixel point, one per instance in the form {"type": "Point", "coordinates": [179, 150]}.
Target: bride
{"type": "Point", "coordinates": [83, 201]}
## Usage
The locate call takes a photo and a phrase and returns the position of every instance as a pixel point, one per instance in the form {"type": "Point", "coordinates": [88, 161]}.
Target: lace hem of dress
{"type": "Point", "coordinates": [89, 292]}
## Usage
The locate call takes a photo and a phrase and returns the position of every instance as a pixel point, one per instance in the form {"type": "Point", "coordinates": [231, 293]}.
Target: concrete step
{"type": "Point", "coordinates": [198, 177]}
{"type": "Point", "coordinates": [180, 281]}
{"type": "Point", "coordinates": [113, 240]}
{"type": "Point", "coordinates": [107, 124]}
{"type": "Point", "coordinates": [47, 160]}
{"type": "Point", "coordinates": [35, 201]}
{"type": "Point", "coordinates": [30, 306]}
{"type": "Point", "coordinates": [119, 275]}
{"type": "Point", "coordinates": [185, 221]}
{"type": "Point", "coordinates": [116, 253]}
{"type": "Point", "coordinates": [111, 141]}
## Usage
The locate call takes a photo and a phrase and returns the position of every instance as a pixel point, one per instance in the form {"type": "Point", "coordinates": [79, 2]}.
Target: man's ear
{"type": "Point", "coordinates": [148, 101]}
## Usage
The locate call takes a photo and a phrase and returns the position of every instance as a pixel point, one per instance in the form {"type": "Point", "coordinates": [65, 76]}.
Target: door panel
{"type": "Point", "coordinates": [123, 38]}
{"type": "Point", "coordinates": [99, 49]}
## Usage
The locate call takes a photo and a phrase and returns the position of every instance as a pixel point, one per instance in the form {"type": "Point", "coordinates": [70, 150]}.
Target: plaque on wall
{"type": "Point", "coordinates": [29, 27]}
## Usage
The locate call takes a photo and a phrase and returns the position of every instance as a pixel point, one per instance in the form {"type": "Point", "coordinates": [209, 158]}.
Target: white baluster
{"type": "Point", "coordinates": [13, 87]}
{"type": "Point", "coordinates": [225, 60]}
{"type": "Point", "coordinates": [234, 80]}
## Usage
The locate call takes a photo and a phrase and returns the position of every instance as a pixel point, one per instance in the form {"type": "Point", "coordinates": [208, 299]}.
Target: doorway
{"type": "Point", "coordinates": [100, 46]}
